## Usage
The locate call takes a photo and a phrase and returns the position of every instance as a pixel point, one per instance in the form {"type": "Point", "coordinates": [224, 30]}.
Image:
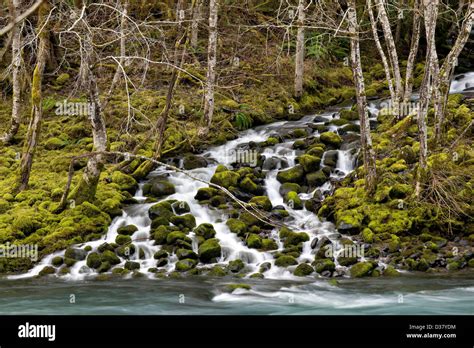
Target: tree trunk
{"type": "Point", "coordinates": [447, 70]}
{"type": "Point", "coordinates": [385, 64]}
{"type": "Point", "coordinates": [16, 62]}
{"type": "Point", "coordinates": [415, 40]}
{"type": "Point", "coordinates": [34, 127]}
{"type": "Point", "coordinates": [392, 51]}
{"type": "Point", "coordinates": [300, 47]}
{"type": "Point", "coordinates": [211, 64]}
{"type": "Point", "coordinates": [366, 140]}
{"type": "Point", "coordinates": [197, 6]}
{"type": "Point", "coordinates": [430, 8]}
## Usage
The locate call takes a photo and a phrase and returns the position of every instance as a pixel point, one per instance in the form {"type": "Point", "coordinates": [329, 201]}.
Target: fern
{"type": "Point", "coordinates": [243, 121]}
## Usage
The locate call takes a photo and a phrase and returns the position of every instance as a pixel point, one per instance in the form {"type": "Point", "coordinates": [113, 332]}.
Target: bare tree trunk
{"type": "Point", "coordinates": [16, 62]}
{"type": "Point", "coordinates": [398, 28]}
{"type": "Point", "coordinates": [415, 40]}
{"type": "Point", "coordinates": [211, 63]}
{"type": "Point", "coordinates": [123, 51]}
{"type": "Point", "coordinates": [430, 8]}
{"type": "Point", "coordinates": [366, 140]}
{"type": "Point", "coordinates": [447, 70]}
{"type": "Point", "coordinates": [34, 127]}
{"type": "Point", "coordinates": [197, 7]}
{"type": "Point", "coordinates": [385, 64]}
{"type": "Point", "coordinates": [300, 46]}
{"type": "Point", "coordinates": [392, 51]}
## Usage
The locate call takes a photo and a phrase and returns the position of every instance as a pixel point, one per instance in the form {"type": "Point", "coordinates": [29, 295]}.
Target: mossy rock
{"type": "Point", "coordinates": [75, 254]}
{"type": "Point", "coordinates": [162, 209]}
{"type": "Point", "coordinates": [233, 287]}
{"type": "Point", "coordinates": [294, 238]}
{"type": "Point", "coordinates": [236, 226]}
{"type": "Point", "coordinates": [93, 260]}
{"type": "Point", "coordinates": [316, 151]}
{"type": "Point", "coordinates": [249, 186]}
{"type": "Point", "coordinates": [294, 175]}
{"type": "Point", "coordinates": [316, 179]}
{"type": "Point", "coordinates": [310, 163]}
{"type": "Point", "coordinates": [293, 200]}
{"type": "Point", "coordinates": [236, 266]}
{"type": "Point", "coordinates": [186, 254]}
{"type": "Point", "coordinates": [132, 265]}
{"type": "Point", "coordinates": [269, 244]}
{"type": "Point", "coordinates": [324, 265]}
{"type": "Point", "coordinates": [390, 272]}
{"type": "Point", "coordinates": [285, 261]}
{"type": "Point", "coordinates": [209, 250]}
{"type": "Point", "coordinates": [192, 162]}
{"type": "Point", "coordinates": [254, 241]}
{"type": "Point", "coordinates": [400, 191]}
{"type": "Point", "coordinates": [180, 207]}
{"type": "Point", "coordinates": [57, 261]}
{"type": "Point", "coordinates": [348, 114]}
{"type": "Point", "coordinates": [159, 221]}
{"type": "Point", "coordinates": [185, 265]}
{"type": "Point", "coordinates": [174, 236]}
{"type": "Point", "coordinates": [54, 144]}
{"type": "Point", "coordinates": [158, 188]}
{"type": "Point", "coordinates": [225, 178]}
{"type": "Point", "coordinates": [127, 230]}
{"type": "Point", "coordinates": [47, 270]}
{"type": "Point", "coordinates": [184, 221]}
{"type": "Point", "coordinates": [205, 193]}
{"type": "Point", "coordinates": [257, 276]}
{"type": "Point", "coordinates": [205, 230]}
{"type": "Point", "coordinates": [125, 182]}
{"type": "Point", "coordinates": [361, 269]}
{"type": "Point", "coordinates": [303, 270]}
{"type": "Point", "coordinates": [217, 271]}
{"type": "Point", "coordinates": [289, 186]}
{"type": "Point", "coordinates": [262, 202]}
{"type": "Point", "coordinates": [331, 139]}
{"type": "Point", "coordinates": [367, 235]}
{"type": "Point", "coordinates": [122, 239]}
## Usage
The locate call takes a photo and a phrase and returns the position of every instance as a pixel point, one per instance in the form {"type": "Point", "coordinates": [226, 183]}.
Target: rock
{"type": "Point", "coordinates": [225, 178]}
{"type": "Point", "coordinates": [367, 235]}
{"type": "Point", "coordinates": [361, 269]}
{"type": "Point", "coordinates": [192, 162]}
{"type": "Point", "coordinates": [231, 287]}
{"type": "Point", "coordinates": [391, 272]}
{"type": "Point", "coordinates": [131, 265]}
{"type": "Point", "coordinates": [236, 266]}
{"type": "Point", "coordinates": [256, 276]}
{"type": "Point", "coordinates": [185, 265]}
{"type": "Point", "coordinates": [271, 163]}
{"type": "Point", "coordinates": [265, 267]}
{"type": "Point", "coordinates": [122, 239]}
{"type": "Point", "coordinates": [174, 236]}
{"type": "Point", "coordinates": [262, 202]}
{"type": "Point", "coordinates": [159, 221]}
{"type": "Point", "coordinates": [205, 193]}
{"type": "Point", "coordinates": [205, 230]}
{"type": "Point", "coordinates": [269, 244]}
{"type": "Point", "coordinates": [110, 257]}
{"type": "Point", "coordinates": [75, 254]}
{"type": "Point", "coordinates": [331, 139]}
{"type": "Point", "coordinates": [209, 250]}
{"type": "Point", "coordinates": [310, 163]}
{"type": "Point", "coordinates": [303, 270]}
{"type": "Point", "coordinates": [127, 230]}
{"type": "Point", "coordinates": [93, 260]}
{"type": "Point", "coordinates": [254, 241]}
{"type": "Point", "coordinates": [162, 209]}
{"type": "Point", "coordinates": [126, 182]}
{"type": "Point", "coordinates": [160, 254]}
{"type": "Point", "coordinates": [285, 261]}
{"type": "Point", "coordinates": [324, 265]}
{"type": "Point", "coordinates": [288, 186]}
{"type": "Point", "coordinates": [47, 270]}
{"type": "Point", "coordinates": [293, 200]}
{"type": "Point", "coordinates": [184, 221]}
{"type": "Point", "coordinates": [158, 188]}
{"type": "Point", "coordinates": [330, 158]}
{"type": "Point", "coordinates": [319, 119]}
{"type": "Point", "coordinates": [126, 250]}
{"type": "Point", "coordinates": [400, 191]}
{"type": "Point", "coordinates": [54, 144]}
{"type": "Point", "coordinates": [294, 175]}
{"type": "Point", "coordinates": [161, 262]}
{"type": "Point", "coordinates": [236, 226]}
{"type": "Point", "coordinates": [57, 261]}
{"type": "Point", "coordinates": [104, 267]}
{"type": "Point", "coordinates": [217, 271]}
{"type": "Point", "coordinates": [350, 115]}
{"type": "Point", "coordinates": [316, 179]}
{"type": "Point", "coordinates": [180, 207]}
{"type": "Point", "coordinates": [186, 254]}
{"type": "Point", "coordinates": [347, 261]}
{"type": "Point", "coordinates": [314, 242]}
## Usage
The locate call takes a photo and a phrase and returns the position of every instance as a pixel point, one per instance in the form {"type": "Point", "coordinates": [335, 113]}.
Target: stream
{"type": "Point", "coordinates": [280, 292]}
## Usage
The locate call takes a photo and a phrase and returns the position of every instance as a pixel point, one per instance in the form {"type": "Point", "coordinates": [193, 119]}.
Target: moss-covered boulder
{"type": "Point", "coordinates": [209, 250]}
{"type": "Point", "coordinates": [93, 260]}
{"type": "Point", "coordinates": [236, 266]}
{"type": "Point", "coordinates": [162, 209]}
{"type": "Point", "coordinates": [331, 139]}
{"type": "Point", "coordinates": [132, 265]}
{"type": "Point", "coordinates": [248, 185]}
{"type": "Point", "coordinates": [310, 163]}
{"type": "Point", "coordinates": [192, 161]}
{"type": "Point", "coordinates": [127, 230]}
{"type": "Point", "coordinates": [185, 265]}
{"type": "Point", "coordinates": [361, 269]}
{"type": "Point", "coordinates": [205, 230]}
{"type": "Point", "coordinates": [316, 179]}
{"type": "Point", "coordinates": [206, 193]}
{"type": "Point", "coordinates": [294, 238]}
{"type": "Point", "coordinates": [54, 144]}
{"type": "Point", "coordinates": [324, 265]}
{"type": "Point", "coordinates": [182, 254]}
{"type": "Point", "coordinates": [125, 182]}
{"type": "Point", "coordinates": [293, 200]}
{"type": "Point", "coordinates": [57, 261]}
{"type": "Point", "coordinates": [226, 178]}
{"type": "Point", "coordinates": [75, 254]}
{"type": "Point", "coordinates": [174, 236]}
{"type": "Point", "coordinates": [262, 202]}
{"type": "Point", "coordinates": [236, 226]}
{"type": "Point", "coordinates": [47, 270]}
{"type": "Point", "coordinates": [269, 244]}
{"type": "Point", "coordinates": [184, 221]}
{"type": "Point", "coordinates": [294, 175]}
{"type": "Point", "coordinates": [254, 241]}
{"type": "Point", "coordinates": [180, 207]}
{"type": "Point", "coordinates": [285, 261]}
{"type": "Point", "coordinates": [110, 257]}
{"type": "Point", "coordinates": [158, 188]}
{"type": "Point", "coordinates": [289, 186]}
{"type": "Point", "coordinates": [123, 239]}
{"type": "Point", "coordinates": [303, 270]}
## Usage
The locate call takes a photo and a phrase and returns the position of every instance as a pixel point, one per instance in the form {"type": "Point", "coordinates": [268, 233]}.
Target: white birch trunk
{"type": "Point", "coordinates": [300, 48]}
{"type": "Point", "coordinates": [211, 63]}
{"type": "Point", "coordinates": [415, 40]}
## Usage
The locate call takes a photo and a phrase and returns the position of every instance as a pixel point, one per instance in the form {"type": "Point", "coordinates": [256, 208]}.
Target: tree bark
{"type": "Point", "coordinates": [447, 70]}
{"type": "Point", "coordinates": [211, 64]}
{"type": "Point", "coordinates": [430, 8]}
{"type": "Point", "coordinates": [392, 51]}
{"type": "Point", "coordinates": [415, 40]}
{"type": "Point", "coordinates": [385, 64]}
{"type": "Point", "coordinates": [300, 48]}
{"type": "Point", "coordinates": [366, 140]}
{"type": "Point", "coordinates": [34, 127]}
{"type": "Point", "coordinates": [16, 62]}
{"type": "Point", "coordinates": [197, 7]}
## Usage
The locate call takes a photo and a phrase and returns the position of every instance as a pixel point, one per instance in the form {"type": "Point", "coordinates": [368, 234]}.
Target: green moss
{"type": "Point", "coordinates": [236, 226]}
{"type": "Point", "coordinates": [303, 270]}
{"type": "Point", "coordinates": [125, 182]}
{"type": "Point", "coordinates": [233, 287]}
{"type": "Point", "coordinates": [310, 163]}
{"type": "Point", "coordinates": [54, 144]}
{"type": "Point", "coordinates": [316, 179]}
{"type": "Point", "coordinates": [324, 265]}
{"type": "Point", "coordinates": [225, 178]}
{"type": "Point", "coordinates": [158, 188]}
{"type": "Point", "coordinates": [209, 250]}
{"type": "Point", "coordinates": [184, 221]}
{"type": "Point", "coordinates": [205, 230]}
{"type": "Point", "coordinates": [217, 271]}
{"type": "Point", "coordinates": [361, 269]}
{"type": "Point", "coordinates": [185, 265]}
{"type": "Point", "coordinates": [236, 266]}
{"type": "Point", "coordinates": [262, 202]}
{"type": "Point", "coordinates": [294, 175]}
{"type": "Point", "coordinates": [285, 261]}
{"type": "Point", "coordinates": [122, 239]}
{"type": "Point", "coordinates": [293, 200]}
{"type": "Point", "coordinates": [331, 139]}
{"type": "Point", "coordinates": [269, 244]}
{"type": "Point", "coordinates": [93, 260]}
{"type": "Point", "coordinates": [254, 241]}
{"type": "Point", "coordinates": [127, 230]}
